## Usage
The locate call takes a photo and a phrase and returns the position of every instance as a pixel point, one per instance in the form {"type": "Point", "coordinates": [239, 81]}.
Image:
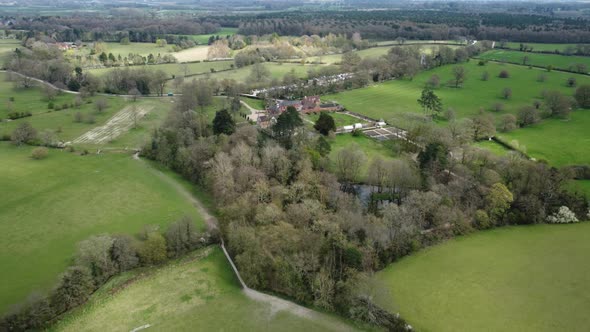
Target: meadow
{"type": "Point", "coordinates": [549, 47]}
{"type": "Point", "coordinates": [175, 69]}
{"type": "Point", "coordinates": [560, 142]}
{"type": "Point", "coordinates": [536, 59]}
{"type": "Point", "coordinates": [519, 278]}
{"type": "Point", "coordinates": [372, 52]}
{"type": "Point", "coordinates": [198, 292]}
{"type": "Point", "coordinates": [47, 206]}
{"type": "Point", "coordinates": [390, 99]}
{"type": "Point", "coordinates": [340, 119]}
{"type": "Point", "coordinates": [6, 47]}
{"type": "Point", "coordinates": [223, 32]}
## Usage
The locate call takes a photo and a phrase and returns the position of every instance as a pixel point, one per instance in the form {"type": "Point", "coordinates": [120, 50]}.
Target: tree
{"type": "Point", "coordinates": [95, 254]}
{"type": "Point", "coordinates": [485, 76]}
{"type": "Point", "coordinates": [124, 253]}
{"type": "Point", "coordinates": [571, 82]}
{"type": "Point", "coordinates": [182, 237]}
{"type": "Point", "coordinates": [153, 249]}
{"type": "Point", "coordinates": [433, 82]}
{"type": "Point", "coordinates": [582, 96]}
{"type": "Point", "coordinates": [557, 104]}
{"type": "Point", "coordinates": [323, 146]}
{"type": "Point", "coordinates": [498, 201]}
{"type": "Point", "coordinates": [325, 124]}
{"type": "Point", "coordinates": [134, 93]}
{"type": "Point", "coordinates": [39, 153]}
{"type": "Point", "coordinates": [498, 107]}
{"type": "Point", "coordinates": [350, 61]}
{"type": "Point", "coordinates": [434, 158]}
{"type": "Point", "coordinates": [218, 50]}
{"type": "Point", "coordinates": [204, 94]}
{"type": "Point", "coordinates": [74, 288]}
{"type": "Point", "coordinates": [125, 41]}
{"type": "Point", "coordinates": [100, 105]}
{"type": "Point", "coordinates": [161, 43]}
{"type": "Point", "coordinates": [508, 122]}
{"type": "Point", "coordinates": [504, 74]}
{"type": "Point", "coordinates": [158, 80]}
{"type": "Point", "coordinates": [22, 134]}
{"type": "Point", "coordinates": [506, 93]}
{"type": "Point", "coordinates": [528, 115]}
{"type": "Point", "coordinates": [223, 123]}
{"type": "Point", "coordinates": [459, 75]}
{"type": "Point", "coordinates": [286, 125]}
{"type": "Point", "coordinates": [483, 126]}
{"type": "Point", "coordinates": [258, 73]}
{"type": "Point", "coordinates": [563, 216]}
{"type": "Point", "coordinates": [430, 102]}
{"type": "Point", "coordinates": [134, 115]}
{"type": "Point", "coordinates": [349, 163]}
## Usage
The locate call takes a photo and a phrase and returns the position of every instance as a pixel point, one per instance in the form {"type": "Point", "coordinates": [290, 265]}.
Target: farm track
{"type": "Point", "coordinates": [119, 124]}
{"type": "Point", "coordinates": [276, 304]}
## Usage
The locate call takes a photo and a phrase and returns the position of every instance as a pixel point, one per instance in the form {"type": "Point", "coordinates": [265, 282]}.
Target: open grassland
{"type": "Point", "coordinates": [49, 205]}
{"type": "Point", "coordinates": [199, 292]}
{"type": "Point", "coordinates": [143, 49]}
{"type": "Point", "coordinates": [527, 278]}
{"type": "Point", "coordinates": [492, 146]}
{"type": "Point", "coordinates": [175, 69]}
{"type": "Point", "coordinates": [373, 52]}
{"type": "Point", "coordinates": [341, 119]}
{"type": "Point", "coordinates": [197, 53]}
{"type": "Point", "coordinates": [536, 59]}
{"type": "Point", "coordinates": [540, 46]}
{"type": "Point", "coordinates": [396, 97]}
{"type": "Point", "coordinates": [223, 32]}
{"type": "Point", "coordinates": [560, 142]}
{"type": "Point", "coordinates": [370, 147]}
{"type": "Point", "coordinates": [6, 47]}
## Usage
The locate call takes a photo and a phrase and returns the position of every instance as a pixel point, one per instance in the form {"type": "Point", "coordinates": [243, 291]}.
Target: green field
{"type": "Point", "coordinates": [396, 97]}
{"type": "Point", "coordinates": [560, 142]}
{"type": "Point", "coordinates": [526, 278]}
{"type": "Point", "coordinates": [199, 292]}
{"type": "Point", "coordinates": [143, 49]}
{"type": "Point", "coordinates": [6, 47]}
{"type": "Point", "coordinates": [580, 186]}
{"type": "Point", "coordinates": [176, 69]}
{"type": "Point", "coordinates": [535, 59]}
{"type": "Point", "coordinates": [47, 206]}
{"type": "Point", "coordinates": [540, 46]}
{"type": "Point", "coordinates": [223, 32]}
{"type": "Point", "coordinates": [341, 119]}
{"type": "Point", "coordinates": [492, 146]}
{"type": "Point", "coordinates": [372, 52]}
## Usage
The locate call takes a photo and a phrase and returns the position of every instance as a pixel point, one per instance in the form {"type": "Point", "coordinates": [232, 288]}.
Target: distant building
{"type": "Point", "coordinates": [309, 104]}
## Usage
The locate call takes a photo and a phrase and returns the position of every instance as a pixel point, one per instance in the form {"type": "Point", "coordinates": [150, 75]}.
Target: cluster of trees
{"type": "Point", "coordinates": [295, 228]}
{"type": "Point", "coordinates": [135, 81]}
{"type": "Point", "coordinates": [99, 258]}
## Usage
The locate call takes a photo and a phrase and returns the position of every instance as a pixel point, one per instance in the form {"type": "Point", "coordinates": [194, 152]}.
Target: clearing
{"type": "Point", "coordinates": [198, 292]}
{"type": "Point", "coordinates": [519, 278]}
{"type": "Point", "coordinates": [46, 208]}
{"type": "Point", "coordinates": [536, 59]}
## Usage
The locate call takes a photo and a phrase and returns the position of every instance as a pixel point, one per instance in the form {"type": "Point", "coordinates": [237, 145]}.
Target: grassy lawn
{"type": "Point", "coordinates": [372, 52]}
{"type": "Point", "coordinates": [277, 70]}
{"type": "Point", "coordinates": [6, 47]}
{"type": "Point", "coordinates": [176, 69]}
{"type": "Point", "coordinates": [527, 278]}
{"type": "Point", "coordinates": [370, 147]}
{"type": "Point", "coordinates": [143, 49]}
{"type": "Point", "coordinates": [492, 146]}
{"type": "Point", "coordinates": [543, 60]}
{"type": "Point", "coordinates": [560, 142]}
{"type": "Point", "coordinates": [199, 292]}
{"type": "Point", "coordinates": [254, 103]}
{"type": "Point", "coordinates": [341, 119]}
{"type": "Point", "coordinates": [48, 206]}
{"type": "Point", "coordinates": [396, 97]}
{"type": "Point", "coordinates": [223, 32]}
{"type": "Point", "coordinates": [540, 47]}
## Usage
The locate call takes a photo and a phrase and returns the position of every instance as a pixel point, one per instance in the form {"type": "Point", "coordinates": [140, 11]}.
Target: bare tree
{"type": "Point", "coordinates": [459, 75]}
{"type": "Point", "coordinates": [101, 104]}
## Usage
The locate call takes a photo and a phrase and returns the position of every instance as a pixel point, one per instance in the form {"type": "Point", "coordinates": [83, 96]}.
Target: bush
{"type": "Point", "coordinates": [39, 153]}
{"type": "Point", "coordinates": [504, 74]}
{"type": "Point", "coordinates": [563, 216]}
{"type": "Point", "coordinates": [571, 82]}
{"type": "Point", "coordinates": [50, 105]}
{"type": "Point", "coordinates": [481, 63]}
{"type": "Point", "coordinates": [498, 107]}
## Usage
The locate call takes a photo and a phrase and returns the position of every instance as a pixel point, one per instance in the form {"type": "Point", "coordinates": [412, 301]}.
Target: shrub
{"type": "Point", "coordinates": [541, 78]}
{"type": "Point", "coordinates": [50, 105]}
{"type": "Point", "coordinates": [481, 63]}
{"type": "Point", "coordinates": [504, 74]}
{"type": "Point", "coordinates": [39, 153]}
{"type": "Point", "coordinates": [507, 93]}
{"type": "Point", "coordinates": [11, 99]}
{"type": "Point", "coordinates": [485, 76]}
{"type": "Point", "coordinates": [563, 216]}
{"type": "Point", "coordinates": [498, 107]}
{"type": "Point", "coordinates": [571, 82]}
{"type": "Point", "coordinates": [582, 96]}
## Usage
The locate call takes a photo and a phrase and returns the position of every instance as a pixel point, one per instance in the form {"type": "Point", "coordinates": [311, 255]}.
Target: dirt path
{"type": "Point", "coordinates": [254, 113]}
{"type": "Point", "coordinates": [276, 304]}
{"type": "Point", "coordinates": [119, 124]}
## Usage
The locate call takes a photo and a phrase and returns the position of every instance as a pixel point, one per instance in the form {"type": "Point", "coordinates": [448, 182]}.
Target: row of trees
{"type": "Point", "coordinates": [98, 258]}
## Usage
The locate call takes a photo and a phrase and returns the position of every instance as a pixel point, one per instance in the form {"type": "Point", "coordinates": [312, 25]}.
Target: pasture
{"type": "Point", "coordinates": [390, 99]}
{"type": "Point", "coordinates": [223, 32]}
{"type": "Point", "coordinates": [541, 47]}
{"type": "Point", "coordinates": [372, 52]}
{"type": "Point", "coordinates": [47, 206]}
{"type": "Point", "coordinates": [175, 69]}
{"type": "Point", "coordinates": [560, 142]}
{"type": "Point", "coordinates": [519, 278]}
{"type": "Point", "coordinates": [198, 292]}
{"type": "Point", "coordinates": [6, 47]}
{"type": "Point", "coordinates": [341, 119]}
{"type": "Point", "coordinates": [536, 59]}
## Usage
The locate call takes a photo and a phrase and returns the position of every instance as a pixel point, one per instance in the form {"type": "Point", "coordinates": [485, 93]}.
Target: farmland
{"type": "Point", "coordinates": [535, 280]}
{"type": "Point", "coordinates": [177, 69]}
{"type": "Point", "coordinates": [203, 39]}
{"type": "Point", "coordinates": [539, 47]}
{"type": "Point", "coordinates": [197, 292]}
{"type": "Point", "coordinates": [372, 52]}
{"type": "Point", "coordinates": [535, 59]}
{"type": "Point", "coordinates": [92, 195]}
{"type": "Point", "coordinates": [386, 100]}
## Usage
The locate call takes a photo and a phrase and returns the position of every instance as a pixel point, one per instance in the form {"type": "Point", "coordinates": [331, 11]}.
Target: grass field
{"type": "Point", "coordinates": [47, 206]}
{"type": "Point", "coordinates": [492, 146]}
{"type": "Point", "coordinates": [540, 47]}
{"type": "Point", "coordinates": [223, 32]}
{"type": "Point", "coordinates": [560, 142]}
{"type": "Point", "coordinates": [527, 278]}
{"type": "Point", "coordinates": [396, 97]}
{"type": "Point", "coordinates": [176, 69]}
{"type": "Point", "coordinates": [372, 52]}
{"type": "Point", "coordinates": [199, 292]}
{"type": "Point", "coordinates": [6, 47]}
{"type": "Point", "coordinates": [143, 49]}
{"type": "Point", "coordinates": [535, 59]}
{"type": "Point", "coordinates": [341, 119]}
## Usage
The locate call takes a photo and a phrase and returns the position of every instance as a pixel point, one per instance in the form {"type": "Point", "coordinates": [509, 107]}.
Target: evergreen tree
{"type": "Point", "coordinates": [430, 102]}
{"type": "Point", "coordinates": [325, 124]}
{"type": "Point", "coordinates": [223, 123]}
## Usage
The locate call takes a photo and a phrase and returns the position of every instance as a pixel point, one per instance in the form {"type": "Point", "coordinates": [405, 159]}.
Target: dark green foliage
{"type": "Point", "coordinates": [434, 158]}
{"type": "Point", "coordinates": [286, 125]}
{"type": "Point", "coordinates": [223, 123]}
{"type": "Point", "coordinates": [325, 124]}
{"type": "Point", "coordinates": [582, 96]}
{"type": "Point", "coordinates": [323, 146]}
{"type": "Point", "coordinates": [430, 102]}
{"type": "Point", "coordinates": [182, 237]}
